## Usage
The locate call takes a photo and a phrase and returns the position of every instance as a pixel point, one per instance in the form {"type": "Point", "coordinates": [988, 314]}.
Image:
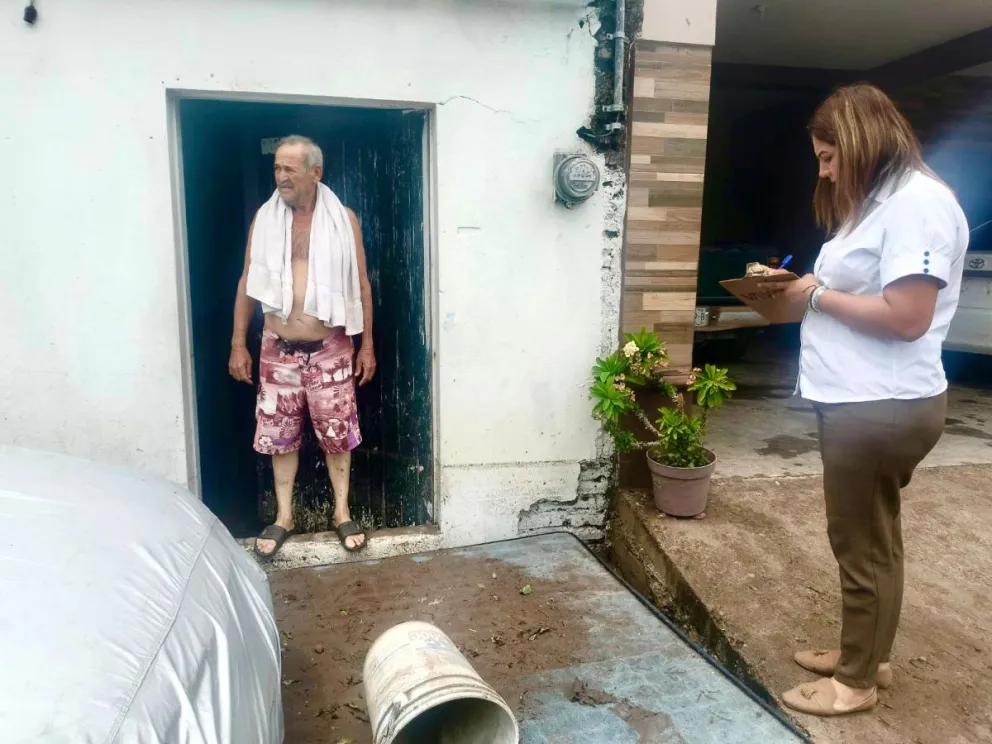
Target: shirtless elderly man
{"type": "Point", "coordinates": [305, 263]}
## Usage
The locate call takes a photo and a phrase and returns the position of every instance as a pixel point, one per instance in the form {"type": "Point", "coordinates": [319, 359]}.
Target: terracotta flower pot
{"type": "Point", "coordinates": [681, 492]}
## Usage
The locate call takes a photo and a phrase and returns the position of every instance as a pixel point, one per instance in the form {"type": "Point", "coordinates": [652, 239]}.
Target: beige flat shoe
{"type": "Point", "coordinates": [820, 699]}
{"type": "Point", "coordinates": [825, 663]}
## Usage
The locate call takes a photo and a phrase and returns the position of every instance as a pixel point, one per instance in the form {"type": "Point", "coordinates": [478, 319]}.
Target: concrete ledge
{"type": "Point", "coordinates": [323, 548]}
{"type": "Point", "coordinates": [638, 554]}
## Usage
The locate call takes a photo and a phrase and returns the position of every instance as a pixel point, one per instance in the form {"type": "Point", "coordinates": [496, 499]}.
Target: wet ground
{"type": "Point", "coordinates": [766, 431]}
{"type": "Point", "coordinates": [761, 568]}
{"type": "Point", "coordinates": [574, 653]}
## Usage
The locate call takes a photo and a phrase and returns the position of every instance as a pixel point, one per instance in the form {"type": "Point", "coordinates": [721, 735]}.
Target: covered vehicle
{"type": "Point", "coordinates": [129, 613]}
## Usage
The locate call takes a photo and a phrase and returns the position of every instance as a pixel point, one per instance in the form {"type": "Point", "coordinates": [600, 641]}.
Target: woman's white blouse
{"type": "Point", "coordinates": [913, 226]}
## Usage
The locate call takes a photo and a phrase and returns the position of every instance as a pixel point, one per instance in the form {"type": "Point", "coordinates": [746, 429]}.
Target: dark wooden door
{"type": "Point", "coordinates": [375, 162]}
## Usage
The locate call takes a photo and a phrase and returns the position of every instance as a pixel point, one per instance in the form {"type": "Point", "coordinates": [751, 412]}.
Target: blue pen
{"type": "Point", "coordinates": [785, 262]}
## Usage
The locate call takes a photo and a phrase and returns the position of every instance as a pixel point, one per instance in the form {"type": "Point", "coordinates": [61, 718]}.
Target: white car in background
{"type": "Point", "coordinates": [971, 328]}
{"type": "Point", "coordinates": [129, 614]}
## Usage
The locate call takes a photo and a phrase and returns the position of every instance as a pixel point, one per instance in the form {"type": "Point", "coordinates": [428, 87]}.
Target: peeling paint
{"type": "Point", "coordinates": [585, 514]}
{"type": "Point", "coordinates": [491, 498]}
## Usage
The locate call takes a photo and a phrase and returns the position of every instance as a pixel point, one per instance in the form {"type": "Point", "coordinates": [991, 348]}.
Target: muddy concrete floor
{"type": "Point", "coordinates": [761, 563]}
{"type": "Point", "coordinates": [575, 655]}
{"type": "Point", "coordinates": [328, 622]}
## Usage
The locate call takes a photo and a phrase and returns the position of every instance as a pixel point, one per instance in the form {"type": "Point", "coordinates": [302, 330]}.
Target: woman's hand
{"type": "Point", "coordinates": [795, 293]}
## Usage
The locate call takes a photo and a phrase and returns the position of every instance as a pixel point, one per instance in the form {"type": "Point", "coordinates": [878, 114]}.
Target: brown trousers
{"type": "Point", "coordinates": [869, 452]}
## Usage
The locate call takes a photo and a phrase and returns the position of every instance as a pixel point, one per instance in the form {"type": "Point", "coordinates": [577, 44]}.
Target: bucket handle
{"type": "Point", "coordinates": [388, 719]}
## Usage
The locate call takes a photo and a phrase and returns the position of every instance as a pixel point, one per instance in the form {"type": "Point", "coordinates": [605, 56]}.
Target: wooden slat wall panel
{"type": "Point", "coordinates": [669, 118]}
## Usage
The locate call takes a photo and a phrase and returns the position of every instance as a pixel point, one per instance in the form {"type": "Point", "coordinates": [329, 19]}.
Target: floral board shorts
{"type": "Point", "coordinates": [295, 376]}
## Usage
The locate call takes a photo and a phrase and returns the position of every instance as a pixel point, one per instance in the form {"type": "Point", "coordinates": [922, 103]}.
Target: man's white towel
{"type": "Point", "coordinates": [333, 290]}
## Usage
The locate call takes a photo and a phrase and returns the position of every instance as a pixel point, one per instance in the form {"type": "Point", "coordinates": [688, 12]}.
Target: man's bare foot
{"type": "Point", "coordinates": [268, 547]}
{"type": "Point", "coordinates": [351, 542]}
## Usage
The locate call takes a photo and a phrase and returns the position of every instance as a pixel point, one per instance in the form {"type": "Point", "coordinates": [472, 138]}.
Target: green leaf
{"type": "Point", "coordinates": [614, 379]}
{"type": "Point", "coordinates": [612, 366]}
{"type": "Point", "coordinates": [637, 380]}
{"type": "Point", "coordinates": [681, 435]}
{"type": "Point", "coordinates": [646, 341]}
{"type": "Point", "coordinates": [527, 590]}
{"type": "Point", "coordinates": [712, 386]}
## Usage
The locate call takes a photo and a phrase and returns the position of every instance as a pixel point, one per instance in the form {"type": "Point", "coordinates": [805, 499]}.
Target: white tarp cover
{"type": "Point", "coordinates": [127, 613]}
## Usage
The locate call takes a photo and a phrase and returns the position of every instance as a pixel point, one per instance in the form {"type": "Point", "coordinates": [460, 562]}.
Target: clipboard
{"type": "Point", "coordinates": [749, 291]}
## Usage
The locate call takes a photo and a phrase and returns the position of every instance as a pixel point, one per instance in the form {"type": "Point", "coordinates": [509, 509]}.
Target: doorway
{"type": "Point", "coordinates": [375, 160]}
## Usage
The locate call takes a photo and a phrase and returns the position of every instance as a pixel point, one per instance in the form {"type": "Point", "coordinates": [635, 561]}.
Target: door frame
{"type": "Point", "coordinates": [184, 306]}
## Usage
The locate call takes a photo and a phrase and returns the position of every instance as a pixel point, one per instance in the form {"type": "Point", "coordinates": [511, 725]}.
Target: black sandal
{"type": "Point", "coordinates": [275, 533]}
{"type": "Point", "coordinates": [351, 529]}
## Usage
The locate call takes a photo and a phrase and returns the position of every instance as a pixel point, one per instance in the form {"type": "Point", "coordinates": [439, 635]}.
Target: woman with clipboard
{"type": "Point", "coordinates": [875, 313]}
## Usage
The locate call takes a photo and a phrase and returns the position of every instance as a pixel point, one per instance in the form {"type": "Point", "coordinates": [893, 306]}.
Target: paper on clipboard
{"type": "Point", "coordinates": [749, 291]}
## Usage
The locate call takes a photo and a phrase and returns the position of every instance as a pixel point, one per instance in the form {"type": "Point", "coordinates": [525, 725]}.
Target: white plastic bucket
{"type": "Point", "coordinates": [419, 689]}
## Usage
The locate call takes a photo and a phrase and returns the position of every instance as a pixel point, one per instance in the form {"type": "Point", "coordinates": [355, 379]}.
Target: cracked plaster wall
{"type": "Point", "coordinates": [526, 293]}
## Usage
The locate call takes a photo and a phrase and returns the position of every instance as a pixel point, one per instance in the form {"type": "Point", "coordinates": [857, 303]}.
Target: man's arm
{"type": "Point", "coordinates": [365, 362]}
{"type": "Point", "coordinates": [239, 365]}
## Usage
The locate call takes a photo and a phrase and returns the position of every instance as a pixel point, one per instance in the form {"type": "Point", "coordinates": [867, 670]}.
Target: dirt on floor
{"type": "Point", "coordinates": [506, 623]}
{"type": "Point", "coordinates": [762, 565]}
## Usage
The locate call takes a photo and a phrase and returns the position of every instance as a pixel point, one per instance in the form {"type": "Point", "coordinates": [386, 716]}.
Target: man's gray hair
{"type": "Point", "coordinates": [312, 154]}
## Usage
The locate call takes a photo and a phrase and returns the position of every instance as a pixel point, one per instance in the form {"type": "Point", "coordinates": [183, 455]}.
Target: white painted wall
{"type": "Point", "coordinates": [680, 21]}
{"type": "Point", "coordinates": [92, 353]}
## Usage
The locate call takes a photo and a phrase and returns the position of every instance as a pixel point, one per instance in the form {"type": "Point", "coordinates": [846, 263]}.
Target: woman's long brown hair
{"type": "Point", "coordinates": [874, 143]}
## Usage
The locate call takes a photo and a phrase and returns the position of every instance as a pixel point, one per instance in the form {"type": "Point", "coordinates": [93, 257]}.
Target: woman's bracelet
{"type": "Point", "coordinates": [814, 298]}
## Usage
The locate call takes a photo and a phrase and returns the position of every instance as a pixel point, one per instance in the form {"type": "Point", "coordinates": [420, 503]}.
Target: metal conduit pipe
{"type": "Point", "coordinates": [619, 59]}
{"type": "Point", "coordinates": [605, 134]}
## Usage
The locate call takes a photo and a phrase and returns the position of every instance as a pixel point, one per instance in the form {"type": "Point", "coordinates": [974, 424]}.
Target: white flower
{"type": "Point", "coordinates": [630, 349]}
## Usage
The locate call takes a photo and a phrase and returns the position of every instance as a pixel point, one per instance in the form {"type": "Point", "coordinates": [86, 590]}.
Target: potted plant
{"type": "Point", "coordinates": [681, 467]}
